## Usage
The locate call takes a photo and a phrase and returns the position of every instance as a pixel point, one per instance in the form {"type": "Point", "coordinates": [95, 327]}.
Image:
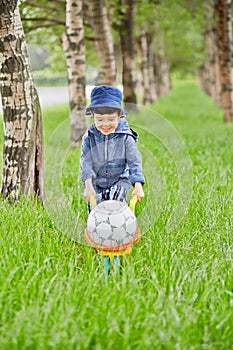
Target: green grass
{"type": "Point", "coordinates": [176, 290]}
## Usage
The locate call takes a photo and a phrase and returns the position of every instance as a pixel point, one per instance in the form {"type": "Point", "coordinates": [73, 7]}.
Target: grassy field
{"type": "Point", "coordinates": [176, 290]}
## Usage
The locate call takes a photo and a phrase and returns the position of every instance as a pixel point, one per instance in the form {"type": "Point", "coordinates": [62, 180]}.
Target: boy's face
{"type": "Point", "coordinates": [106, 123]}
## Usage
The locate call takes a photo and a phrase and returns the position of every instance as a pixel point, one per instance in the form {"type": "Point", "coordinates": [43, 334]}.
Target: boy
{"type": "Point", "coordinates": [110, 162]}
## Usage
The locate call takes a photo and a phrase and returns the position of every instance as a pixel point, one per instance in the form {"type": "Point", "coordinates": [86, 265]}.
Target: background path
{"type": "Point", "coordinates": [50, 95]}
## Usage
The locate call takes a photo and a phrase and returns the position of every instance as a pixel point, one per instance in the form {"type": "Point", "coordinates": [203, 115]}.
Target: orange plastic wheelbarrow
{"type": "Point", "coordinates": [113, 254]}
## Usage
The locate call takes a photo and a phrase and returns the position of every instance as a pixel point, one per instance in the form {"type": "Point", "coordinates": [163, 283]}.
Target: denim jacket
{"type": "Point", "coordinates": [109, 158]}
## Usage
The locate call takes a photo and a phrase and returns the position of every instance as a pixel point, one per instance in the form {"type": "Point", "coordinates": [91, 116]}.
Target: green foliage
{"type": "Point", "coordinates": [43, 15]}
{"type": "Point", "coordinates": [44, 24]}
{"type": "Point", "coordinates": [175, 291]}
{"type": "Point", "coordinates": [179, 25]}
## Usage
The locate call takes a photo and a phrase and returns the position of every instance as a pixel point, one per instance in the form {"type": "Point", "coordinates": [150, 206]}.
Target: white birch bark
{"type": "Point", "coordinates": [103, 42]}
{"type": "Point", "coordinates": [145, 69]}
{"type": "Point", "coordinates": [151, 64]}
{"type": "Point", "coordinates": [74, 47]}
{"type": "Point", "coordinates": [126, 31]}
{"type": "Point", "coordinates": [22, 160]}
{"type": "Point", "coordinates": [162, 66]}
{"type": "Point", "coordinates": [209, 76]}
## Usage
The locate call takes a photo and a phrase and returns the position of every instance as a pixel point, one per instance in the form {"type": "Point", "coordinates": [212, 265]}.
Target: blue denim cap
{"type": "Point", "coordinates": [106, 96]}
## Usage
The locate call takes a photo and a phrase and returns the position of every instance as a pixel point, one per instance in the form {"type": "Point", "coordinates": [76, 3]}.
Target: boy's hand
{"type": "Point", "coordinates": [89, 190]}
{"type": "Point", "coordinates": [138, 191]}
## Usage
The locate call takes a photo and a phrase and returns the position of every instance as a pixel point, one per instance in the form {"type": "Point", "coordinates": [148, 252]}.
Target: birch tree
{"type": "Point", "coordinates": [74, 47]}
{"type": "Point", "coordinates": [154, 63]}
{"type": "Point", "coordinates": [225, 51]}
{"type": "Point", "coordinates": [209, 76]}
{"type": "Point", "coordinates": [162, 65]}
{"type": "Point", "coordinates": [64, 20]}
{"type": "Point", "coordinates": [22, 154]}
{"type": "Point", "coordinates": [103, 41]}
{"type": "Point", "coordinates": [147, 65]}
{"type": "Point", "coordinates": [126, 12]}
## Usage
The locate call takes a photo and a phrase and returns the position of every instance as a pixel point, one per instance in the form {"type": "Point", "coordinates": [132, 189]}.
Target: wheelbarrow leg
{"type": "Point", "coordinates": [107, 264]}
{"type": "Point", "coordinates": [116, 261]}
{"type": "Point", "coordinates": [112, 263]}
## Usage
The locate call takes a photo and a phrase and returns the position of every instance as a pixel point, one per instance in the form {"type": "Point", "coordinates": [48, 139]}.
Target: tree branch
{"type": "Point", "coordinates": [44, 19]}
{"type": "Point", "coordinates": [90, 38]}
{"type": "Point", "coordinates": [31, 28]}
{"type": "Point", "coordinates": [46, 7]}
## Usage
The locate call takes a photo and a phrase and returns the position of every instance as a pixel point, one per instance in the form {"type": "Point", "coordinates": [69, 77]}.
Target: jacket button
{"type": "Point", "coordinates": [106, 174]}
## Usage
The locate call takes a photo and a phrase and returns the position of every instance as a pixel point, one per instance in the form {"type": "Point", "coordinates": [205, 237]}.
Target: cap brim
{"type": "Point", "coordinates": [111, 105]}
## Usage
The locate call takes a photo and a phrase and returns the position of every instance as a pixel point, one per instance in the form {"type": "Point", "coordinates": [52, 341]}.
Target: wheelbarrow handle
{"type": "Point", "coordinates": [133, 202]}
{"type": "Point", "coordinates": [92, 201]}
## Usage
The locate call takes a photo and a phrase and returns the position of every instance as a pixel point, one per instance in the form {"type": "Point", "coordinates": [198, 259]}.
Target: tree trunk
{"type": "Point", "coordinates": [204, 69]}
{"type": "Point", "coordinates": [126, 28]}
{"type": "Point", "coordinates": [74, 47]}
{"type": "Point", "coordinates": [146, 63]}
{"type": "Point", "coordinates": [39, 163]}
{"type": "Point", "coordinates": [103, 42]}
{"type": "Point", "coordinates": [162, 76]}
{"type": "Point", "coordinates": [223, 8]}
{"type": "Point", "coordinates": [144, 67]}
{"type": "Point", "coordinates": [22, 154]}
{"type": "Point", "coordinates": [209, 71]}
{"type": "Point", "coordinates": [162, 66]}
{"type": "Point", "coordinates": [151, 64]}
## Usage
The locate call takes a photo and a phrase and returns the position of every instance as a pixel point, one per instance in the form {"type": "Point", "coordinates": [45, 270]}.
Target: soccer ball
{"type": "Point", "coordinates": [111, 224]}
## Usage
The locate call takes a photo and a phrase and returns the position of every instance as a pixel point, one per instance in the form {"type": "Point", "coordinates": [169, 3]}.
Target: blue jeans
{"type": "Point", "coordinates": [116, 192]}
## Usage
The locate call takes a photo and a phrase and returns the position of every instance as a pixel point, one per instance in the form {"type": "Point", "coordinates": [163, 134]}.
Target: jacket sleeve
{"type": "Point", "coordinates": [134, 161]}
{"type": "Point", "coordinates": [86, 161]}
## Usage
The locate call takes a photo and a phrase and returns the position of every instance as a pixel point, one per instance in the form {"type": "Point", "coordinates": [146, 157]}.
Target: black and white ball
{"type": "Point", "coordinates": [111, 224]}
